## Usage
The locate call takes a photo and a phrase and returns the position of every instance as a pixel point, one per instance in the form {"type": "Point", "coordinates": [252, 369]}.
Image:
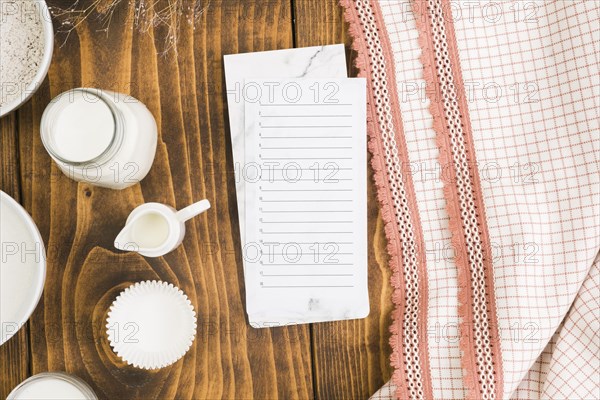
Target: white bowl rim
{"type": "Point", "coordinates": [42, 264]}
{"type": "Point", "coordinates": [73, 380]}
{"type": "Point", "coordinates": [44, 65]}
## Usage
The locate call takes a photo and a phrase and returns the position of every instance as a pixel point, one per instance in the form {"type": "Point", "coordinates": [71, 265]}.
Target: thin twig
{"type": "Point", "coordinates": [147, 14]}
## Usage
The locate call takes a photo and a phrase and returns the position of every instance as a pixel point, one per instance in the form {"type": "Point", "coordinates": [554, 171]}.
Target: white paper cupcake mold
{"type": "Point", "coordinates": [151, 324]}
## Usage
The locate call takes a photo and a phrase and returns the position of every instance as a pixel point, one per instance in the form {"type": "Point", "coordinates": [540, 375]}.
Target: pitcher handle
{"type": "Point", "coordinates": [192, 210]}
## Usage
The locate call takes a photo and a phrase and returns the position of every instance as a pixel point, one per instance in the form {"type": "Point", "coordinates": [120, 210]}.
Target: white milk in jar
{"type": "Point", "coordinates": [100, 137]}
{"type": "Point", "coordinates": [52, 386]}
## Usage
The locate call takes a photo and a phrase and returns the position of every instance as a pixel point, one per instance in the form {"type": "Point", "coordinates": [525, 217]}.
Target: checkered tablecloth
{"type": "Point", "coordinates": [484, 133]}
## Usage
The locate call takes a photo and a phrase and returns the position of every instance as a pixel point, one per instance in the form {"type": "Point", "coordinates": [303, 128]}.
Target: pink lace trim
{"type": "Point", "coordinates": [479, 341]}
{"type": "Point", "coordinates": [397, 199]}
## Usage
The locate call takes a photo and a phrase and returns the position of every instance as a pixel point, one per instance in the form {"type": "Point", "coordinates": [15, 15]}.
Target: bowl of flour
{"type": "Point", "coordinates": [26, 44]}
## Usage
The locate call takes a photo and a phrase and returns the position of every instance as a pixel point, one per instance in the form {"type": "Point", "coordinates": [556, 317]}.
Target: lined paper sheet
{"type": "Point", "coordinates": [306, 218]}
{"type": "Point", "coordinates": [305, 62]}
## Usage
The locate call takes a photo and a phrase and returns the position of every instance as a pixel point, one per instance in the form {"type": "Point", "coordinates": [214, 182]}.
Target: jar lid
{"type": "Point", "coordinates": [81, 126]}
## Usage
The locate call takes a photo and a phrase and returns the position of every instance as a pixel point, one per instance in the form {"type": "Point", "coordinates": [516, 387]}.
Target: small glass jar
{"type": "Point", "coordinates": [52, 386]}
{"type": "Point", "coordinates": [100, 137]}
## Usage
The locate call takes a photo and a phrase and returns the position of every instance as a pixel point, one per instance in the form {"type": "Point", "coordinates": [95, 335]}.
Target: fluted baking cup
{"type": "Point", "coordinates": [151, 324]}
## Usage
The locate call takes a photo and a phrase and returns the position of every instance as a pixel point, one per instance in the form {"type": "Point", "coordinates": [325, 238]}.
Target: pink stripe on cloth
{"type": "Point", "coordinates": [479, 339]}
{"type": "Point", "coordinates": [397, 200]}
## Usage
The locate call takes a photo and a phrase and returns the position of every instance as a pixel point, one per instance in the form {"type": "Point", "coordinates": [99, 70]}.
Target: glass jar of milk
{"type": "Point", "coordinates": [100, 137]}
{"type": "Point", "coordinates": [52, 385]}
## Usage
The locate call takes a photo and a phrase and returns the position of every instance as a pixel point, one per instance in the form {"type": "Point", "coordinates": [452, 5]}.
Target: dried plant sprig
{"type": "Point", "coordinates": [146, 14]}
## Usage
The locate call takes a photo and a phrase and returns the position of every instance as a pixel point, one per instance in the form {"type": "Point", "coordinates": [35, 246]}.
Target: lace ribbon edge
{"type": "Point", "coordinates": [375, 146]}
{"type": "Point", "coordinates": [465, 309]}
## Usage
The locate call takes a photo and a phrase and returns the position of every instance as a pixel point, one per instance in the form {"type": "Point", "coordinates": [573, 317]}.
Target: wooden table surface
{"type": "Point", "coordinates": [185, 90]}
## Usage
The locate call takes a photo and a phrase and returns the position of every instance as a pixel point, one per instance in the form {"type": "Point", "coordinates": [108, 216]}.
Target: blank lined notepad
{"type": "Point", "coordinates": [305, 248]}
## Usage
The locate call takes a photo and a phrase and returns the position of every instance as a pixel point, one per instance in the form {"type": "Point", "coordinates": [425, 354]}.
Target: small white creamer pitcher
{"type": "Point", "coordinates": [155, 229]}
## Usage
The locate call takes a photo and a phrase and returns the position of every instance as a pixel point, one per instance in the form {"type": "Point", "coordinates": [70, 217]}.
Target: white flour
{"type": "Point", "coordinates": [21, 47]}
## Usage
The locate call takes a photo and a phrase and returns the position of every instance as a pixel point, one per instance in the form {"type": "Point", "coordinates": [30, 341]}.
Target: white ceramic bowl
{"type": "Point", "coordinates": [53, 386]}
{"type": "Point", "coordinates": [42, 68]}
{"type": "Point", "coordinates": [22, 266]}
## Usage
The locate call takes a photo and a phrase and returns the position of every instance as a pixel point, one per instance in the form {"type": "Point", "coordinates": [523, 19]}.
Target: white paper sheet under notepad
{"type": "Point", "coordinates": [306, 209]}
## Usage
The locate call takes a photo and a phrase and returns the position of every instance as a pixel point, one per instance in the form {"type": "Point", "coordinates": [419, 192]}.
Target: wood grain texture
{"type": "Point", "coordinates": [351, 358]}
{"type": "Point", "coordinates": [184, 88]}
{"type": "Point", "coordinates": [14, 354]}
